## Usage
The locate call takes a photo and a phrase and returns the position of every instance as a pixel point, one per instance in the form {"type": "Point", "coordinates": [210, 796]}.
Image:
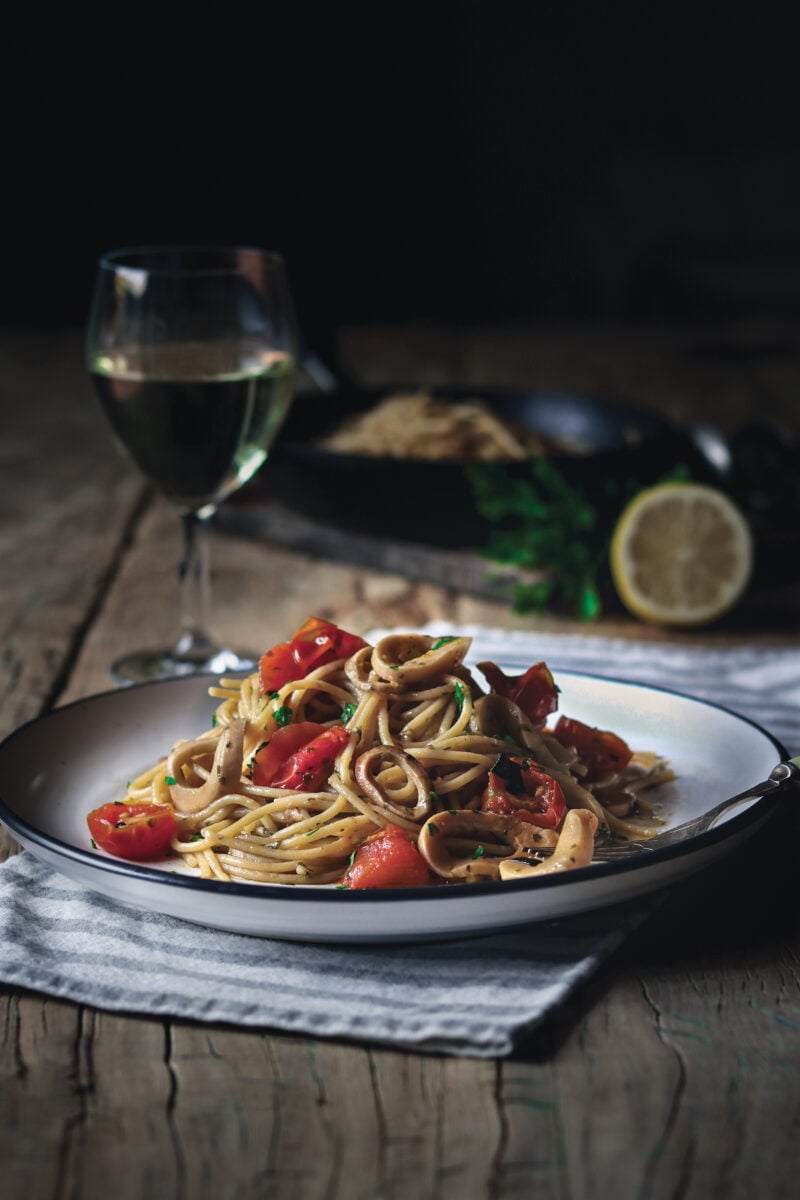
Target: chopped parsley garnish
{"type": "Point", "coordinates": [443, 642]}
{"type": "Point", "coordinates": [433, 795]}
{"type": "Point", "coordinates": [432, 829]}
{"type": "Point", "coordinates": [170, 780]}
{"type": "Point", "coordinates": [214, 721]}
{"type": "Point", "coordinates": [94, 843]}
{"type": "Point", "coordinates": [477, 853]}
{"type": "Point", "coordinates": [311, 832]}
{"type": "Point", "coordinates": [352, 859]}
{"type": "Point", "coordinates": [196, 837]}
{"type": "Point", "coordinates": [347, 713]}
{"type": "Point", "coordinates": [459, 695]}
{"type": "Point", "coordinates": [273, 695]}
{"type": "Point", "coordinates": [282, 715]}
{"type": "Point", "coordinates": [341, 887]}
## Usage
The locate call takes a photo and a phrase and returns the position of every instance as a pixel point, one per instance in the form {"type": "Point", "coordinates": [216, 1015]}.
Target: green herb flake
{"type": "Point", "coordinates": [196, 837]}
{"type": "Point", "coordinates": [347, 713]}
{"type": "Point", "coordinates": [127, 788]}
{"type": "Point", "coordinates": [459, 695]}
{"type": "Point", "coordinates": [282, 715]}
{"type": "Point", "coordinates": [273, 695]}
{"type": "Point", "coordinates": [442, 641]}
{"type": "Point", "coordinates": [352, 859]}
{"type": "Point", "coordinates": [433, 795]}
{"type": "Point", "coordinates": [214, 721]}
{"type": "Point", "coordinates": [94, 843]}
{"type": "Point", "coordinates": [477, 853]}
{"type": "Point", "coordinates": [341, 887]}
{"type": "Point", "coordinates": [431, 828]}
{"type": "Point", "coordinates": [311, 832]}
{"type": "Point", "coordinates": [170, 780]}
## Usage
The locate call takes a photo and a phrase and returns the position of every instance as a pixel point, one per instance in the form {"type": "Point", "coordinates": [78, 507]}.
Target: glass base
{"type": "Point", "coordinates": [169, 663]}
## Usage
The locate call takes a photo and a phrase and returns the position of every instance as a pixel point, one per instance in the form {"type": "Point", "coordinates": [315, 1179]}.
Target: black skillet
{"type": "Point", "coordinates": [432, 502]}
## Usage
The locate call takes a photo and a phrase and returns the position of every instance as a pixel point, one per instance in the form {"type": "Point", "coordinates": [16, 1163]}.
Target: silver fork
{"type": "Point", "coordinates": [783, 777]}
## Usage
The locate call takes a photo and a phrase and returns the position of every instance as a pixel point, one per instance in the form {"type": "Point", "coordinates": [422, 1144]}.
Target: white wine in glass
{"type": "Point", "coordinates": [192, 351]}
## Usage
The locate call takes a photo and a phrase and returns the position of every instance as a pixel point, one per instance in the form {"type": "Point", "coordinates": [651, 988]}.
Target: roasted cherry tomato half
{"type": "Point", "coordinates": [277, 667]}
{"type": "Point", "coordinates": [602, 752]}
{"type": "Point", "coordinates": [139, 832]}
{"type": "Point", "coordinates": [388, 859]}
{"type": "Point", "coordinates": [535, 692]}
{"type": "Point", "coordinates": [540, 801]}
{"type": "Point", "coordinates": [299, 757]}
{"type": "Point", "coordinates": [314, 644]}
{"type": "Point", "coordinates": [317, 642]}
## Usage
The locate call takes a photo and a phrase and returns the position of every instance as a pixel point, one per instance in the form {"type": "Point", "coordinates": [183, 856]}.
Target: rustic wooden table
{"type": "Point", "coordinates": [676, 1072]}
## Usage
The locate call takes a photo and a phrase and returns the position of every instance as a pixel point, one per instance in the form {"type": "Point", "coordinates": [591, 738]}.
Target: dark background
{"type": "Point", "coordinates": [460, 163]}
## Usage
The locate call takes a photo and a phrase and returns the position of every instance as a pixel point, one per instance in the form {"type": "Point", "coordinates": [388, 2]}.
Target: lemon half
{"type": "Point", "coordinates": [681, 554]}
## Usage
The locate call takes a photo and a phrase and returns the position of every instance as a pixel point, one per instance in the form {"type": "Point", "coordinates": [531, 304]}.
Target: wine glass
{"type": "Point", "coordinates": [192, 351]}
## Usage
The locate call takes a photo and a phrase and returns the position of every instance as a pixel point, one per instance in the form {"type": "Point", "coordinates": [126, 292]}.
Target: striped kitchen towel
{"type": "Point", "coordinates": [478, 997]}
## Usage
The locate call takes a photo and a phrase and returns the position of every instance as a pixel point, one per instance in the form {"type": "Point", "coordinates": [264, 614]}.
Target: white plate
{"type": "Point", "coordinates": [55, 770]}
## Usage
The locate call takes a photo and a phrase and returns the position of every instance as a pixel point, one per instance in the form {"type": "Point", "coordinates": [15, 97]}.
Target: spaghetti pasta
{"type": "Point", "coordinates": [383, 752]}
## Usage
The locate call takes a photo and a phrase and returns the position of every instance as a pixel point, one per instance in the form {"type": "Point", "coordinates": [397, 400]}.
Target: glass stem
{"type": "Point", "coordinates": [195, 592]}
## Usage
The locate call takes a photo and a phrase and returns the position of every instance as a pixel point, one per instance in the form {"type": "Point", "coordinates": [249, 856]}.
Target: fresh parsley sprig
{"type": "Point", "coordinates": [547, 525]}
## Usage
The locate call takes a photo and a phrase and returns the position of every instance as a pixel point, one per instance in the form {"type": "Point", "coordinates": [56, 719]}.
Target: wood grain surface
{"type": "Point", "coordinates": [674, 1073]}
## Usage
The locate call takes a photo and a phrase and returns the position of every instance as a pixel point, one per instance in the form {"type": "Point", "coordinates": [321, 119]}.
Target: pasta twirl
{"type": "Point", "coordinates": [387, 751]}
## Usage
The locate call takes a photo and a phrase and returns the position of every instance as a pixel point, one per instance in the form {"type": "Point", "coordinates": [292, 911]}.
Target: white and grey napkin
{"type": "Point", "coordinates": [477, 997]}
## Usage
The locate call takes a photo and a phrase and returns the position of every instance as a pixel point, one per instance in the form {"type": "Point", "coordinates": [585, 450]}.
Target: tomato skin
{"type": "Point", "coordinates": [277, 667]}
{"type": "Point", "coordinates": [543, 803]}
{"type": "Point", "coordinates": [270, 758]}
{"type": "Point", "coordinates": [317, 642]}
{"type": "Point", "coordinates": [535, 691]}
{"type": "Point", "coordinates": [387, 859]}
{"type": "Point", "coordinates": [314, 644]}
{"type": "Point", "coordinates": [601, 751]}
{"type": "Point", "coordinates": [139, 832]}
{"type": "Point", "coordinates": [299, 757]}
